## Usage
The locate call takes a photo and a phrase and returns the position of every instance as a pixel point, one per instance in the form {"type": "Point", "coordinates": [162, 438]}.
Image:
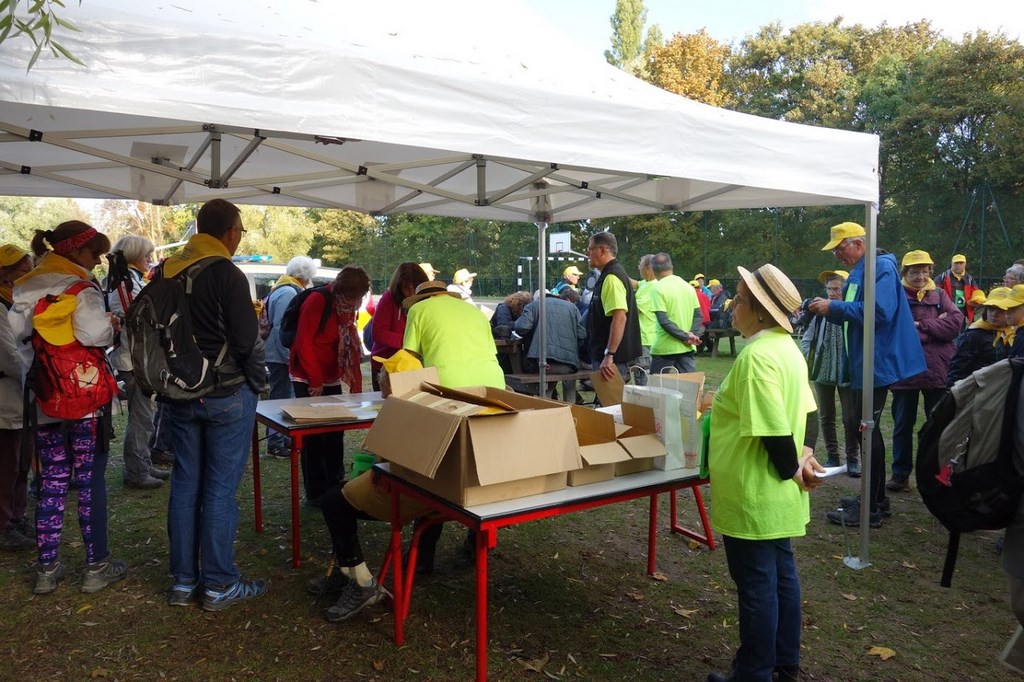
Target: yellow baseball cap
{"type": "Point", "coordinates": [714, 283]}
{"type": "Point", "coordinates": [1000, 297]}
{"type": "Point", "coordinates": [825, 274]}
{"type": "Point", "coordinates": [462, 275]}
{"type": "Point", "coordinates": [699, 275]}
{"type": "Point", "coordinates": [572, 270]}
{"type": "Point", "coordinates": [917, 258]}
{"type": "Point", "coordinates": [842, 231]}
{"type": "Point", "coordinates": [11, 255]}
{"type": "Point", "coordinates": [694, 283]}
{"type": "Point", "coordinates": [958, 258]}
{"type": "Point", "coordinates": [1017, 294]}
{"type": "Point", "coordinates": [978, 297]}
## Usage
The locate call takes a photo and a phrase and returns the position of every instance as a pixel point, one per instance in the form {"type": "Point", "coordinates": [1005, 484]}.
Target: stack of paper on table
{"type": "Point", "coordinates": [318, 412]}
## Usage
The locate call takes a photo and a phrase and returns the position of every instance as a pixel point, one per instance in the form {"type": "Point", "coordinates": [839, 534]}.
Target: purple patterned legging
{"type": "Point", "coordinates": [67, 451]}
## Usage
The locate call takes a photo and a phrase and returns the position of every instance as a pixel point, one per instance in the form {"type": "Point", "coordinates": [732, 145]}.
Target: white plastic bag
{"type": "Point", "coordinates": [667, 406]}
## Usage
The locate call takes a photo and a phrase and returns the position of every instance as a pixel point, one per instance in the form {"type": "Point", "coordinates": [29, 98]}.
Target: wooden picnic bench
{"type": "Point", "coordinates": [716, 335]}
{"type": "Point", "coordinates": [517, 381]}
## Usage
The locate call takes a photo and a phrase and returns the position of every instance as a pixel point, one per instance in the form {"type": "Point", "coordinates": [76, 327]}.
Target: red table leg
{"type": "Point", "coordinates": [484, 539]}
{"type": "Point", "coordinates": [708, 537]}
{"type": "Point", "coordinates": [296, 537]}
{"type": "Point", "coordinates": [257, 490]}
{"type": "Point", "coordinates": [652, 537]}
{"type": "Point", "coordinates": [399, 602]}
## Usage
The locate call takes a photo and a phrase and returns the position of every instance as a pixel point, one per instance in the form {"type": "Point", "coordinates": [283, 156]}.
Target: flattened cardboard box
{"type": "Point", "coordinates": [520, 446]}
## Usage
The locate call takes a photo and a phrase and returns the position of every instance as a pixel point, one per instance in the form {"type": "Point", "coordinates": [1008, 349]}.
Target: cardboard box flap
{"type": "Point", "coordinates": [639, 417]}
{"type": "Point", "coordinates": [447, 405]}
{"type": "Point", "coordinates": [389, 438]}
{"type": "Point", "coordinates": [593, 427]}
{"type": "Point", "coordinates": [540, 446]}
{"type": "Point", "coordinates": [609, 391]}
{"type": "Point", "coordinates": [477, 396]}
{"type": "Point", "coordinates": [603, 453]}
{"type": "Point", "coordinates": [643, 446]}
{"type": "Point", "coordinates": [403, 383]}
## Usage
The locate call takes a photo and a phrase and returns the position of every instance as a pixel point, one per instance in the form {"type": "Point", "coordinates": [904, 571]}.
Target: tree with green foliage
{"type": "Point", "coordinates": [630, 46]}
{"type": "Point", "coordinates": [692, 66]}
{"type": "Point", "coordinates": [36, 23]}
{"type": "Point", "coordinates": [20, 217]}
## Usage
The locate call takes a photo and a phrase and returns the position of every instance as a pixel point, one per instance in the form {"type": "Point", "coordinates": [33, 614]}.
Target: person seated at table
{"type": "Point", "coordinates": [507, 312]}
{"type": "Point", "coordinates": [454, 337]}
{"type": "Point", "coordinates": [389, 317]}
{"type": "Point", "coordinates": [564, 334]}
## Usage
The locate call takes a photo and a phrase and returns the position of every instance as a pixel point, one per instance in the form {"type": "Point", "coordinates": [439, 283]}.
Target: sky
{"type": "Point", "coordinates": [729, 21]}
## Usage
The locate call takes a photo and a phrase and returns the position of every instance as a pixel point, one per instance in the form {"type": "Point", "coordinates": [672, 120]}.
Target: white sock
{"type": "Point", "coordinates": [360, 573]}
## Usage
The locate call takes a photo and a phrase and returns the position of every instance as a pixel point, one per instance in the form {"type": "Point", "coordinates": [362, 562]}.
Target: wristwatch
{"type": "Point", "coordinates": [609, 352]}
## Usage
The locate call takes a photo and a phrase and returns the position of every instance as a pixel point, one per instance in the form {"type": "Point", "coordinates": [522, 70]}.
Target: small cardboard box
{"type": "Point", "coordinates": [599, 447]}
{"type": "Point", "coordinates": [637, 436]}
{"type": "Point", "coordinates": [476, 445]}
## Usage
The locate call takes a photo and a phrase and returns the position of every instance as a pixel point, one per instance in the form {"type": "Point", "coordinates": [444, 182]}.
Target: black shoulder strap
{"type": "Point", "coordinates": [326, 292]}
{"type": "Point", "coordinates": [952, 547]}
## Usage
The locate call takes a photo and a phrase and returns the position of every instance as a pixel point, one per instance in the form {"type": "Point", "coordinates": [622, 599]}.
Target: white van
{"type": "Point", "coordinates": [262, 276]}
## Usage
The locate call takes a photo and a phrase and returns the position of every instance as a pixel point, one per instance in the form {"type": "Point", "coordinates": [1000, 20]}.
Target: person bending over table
{"type": "Point", "coordinates": [455, 337]}
{"type": "Point", "coordinates": [761, 416]}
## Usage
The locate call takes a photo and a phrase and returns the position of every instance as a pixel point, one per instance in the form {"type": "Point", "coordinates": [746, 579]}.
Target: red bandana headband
{"type": "Point", "coordinates": [66, 247]}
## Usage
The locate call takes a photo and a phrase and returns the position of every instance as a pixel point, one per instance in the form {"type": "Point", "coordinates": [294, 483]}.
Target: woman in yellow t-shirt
{"type": "Point", "coordinates": [763, 416]}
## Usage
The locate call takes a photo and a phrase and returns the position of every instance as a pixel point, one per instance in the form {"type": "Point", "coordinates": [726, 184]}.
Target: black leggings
{"type": "Point", "coordinates": [341, 517]}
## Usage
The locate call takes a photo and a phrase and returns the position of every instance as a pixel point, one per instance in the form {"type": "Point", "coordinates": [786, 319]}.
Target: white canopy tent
{"type": "Point", "coordinates": [466, 108]}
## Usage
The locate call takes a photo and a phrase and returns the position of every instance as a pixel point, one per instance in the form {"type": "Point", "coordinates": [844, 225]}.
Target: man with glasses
{"type": "Point", "coordinates": [824, 347]}
{"type": "Point", "coordinates": [897, 355]}
{"type": "Point", "coordinates": [612, 321]}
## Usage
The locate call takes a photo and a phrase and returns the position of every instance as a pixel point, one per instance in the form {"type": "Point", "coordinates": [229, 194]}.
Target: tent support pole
{"type": "Point", "coordinates": [867, 405]}
{"type": "Point", "coordinates": [541, 205]}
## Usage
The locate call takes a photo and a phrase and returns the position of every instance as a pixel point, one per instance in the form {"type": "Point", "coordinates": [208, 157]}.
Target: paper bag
{"type": "Point", "coordinates": [667, 423]}
{"type": "Point", "coordinates": [609, 391]}
{"type": "Point", "coordinates": [691, 388]}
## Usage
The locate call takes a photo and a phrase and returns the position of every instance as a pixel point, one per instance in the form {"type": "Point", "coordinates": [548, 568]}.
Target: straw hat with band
{"type": "Point", "coordinates": [958, 258]}
{"type": "Point", "coordinates": [11, 255]}
{"type": "Point", "coordinates": [842, 231]}
{"type": "Point", "coordinates": [571, 270]}
{"type": "Point", "coordinates": [916, 258]}
{"type": "Point", "coordinates": [774, 291]}
{"type": "Point", "coordinates": [426, 290]}
{"type": "Point", "coordinates": [825, 274]}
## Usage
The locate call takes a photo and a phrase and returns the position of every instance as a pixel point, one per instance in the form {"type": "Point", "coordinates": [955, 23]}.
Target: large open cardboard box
{"type": "Point", "coordinates": [599, 447]}
{"type": "Point", "coordinates": [476, 445]}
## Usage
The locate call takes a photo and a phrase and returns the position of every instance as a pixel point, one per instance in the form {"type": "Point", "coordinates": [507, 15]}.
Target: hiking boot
{"type": "Point", "coordinates": [242, 590]}
{"type": "Point", "coordinates": [47, 576]}
{"type": "Point", "coordinates": [147, 483]}
{"type": "Point", "coordinates": [103, 573]}
{"type": "Point", "coordinates": [14, 541]}
{"type": "Point", "coordinates": [25, 527]}
{"type": "Point", "coordinates": [280, 453]}
{"type": "Point", "coordinates": [183, 594]}
{"type": "Point", "coordinates": [883, 507]}
{"type": "Point", "coordinates": [162, 458]}
{"type": "Point", "coordinates": [832, 461]}
{"type": "Point", "coordinates": [332, 583]}
{"type": "Point", "coordinates": [160, 473]}
{"type": "Point", "coordinates": [354, 598]}
{"type": "Point", "coordinates": [850, 517]}
{"type": "Point", "coordinates": [853, 467]}
{"type": "Point", "coordinates": [898, 484]}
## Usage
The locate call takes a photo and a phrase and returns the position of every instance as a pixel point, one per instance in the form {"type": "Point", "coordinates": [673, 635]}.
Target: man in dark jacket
{"type": "Point", "coordinates": [613, 322]}
{"type": "Point", "coordinates": [959, 286]}
{"type": "Point", "coordinates": [564, 333]}
{"type": "Point", "coordinates": [211, 436]}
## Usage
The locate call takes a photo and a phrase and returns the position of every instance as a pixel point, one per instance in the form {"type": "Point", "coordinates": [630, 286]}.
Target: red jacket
{"type": "Point", "coordinates": [388, 327]}
{"type": "Point", "coordinates": [946, 280]}
{"type": "Point", "coordinates": [705, 306]}
{"type": "Point", "coordinates": [314, 354]}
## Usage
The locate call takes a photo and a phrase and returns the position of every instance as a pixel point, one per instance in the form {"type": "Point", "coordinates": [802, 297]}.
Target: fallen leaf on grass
{"type": "Point", "coordinates": [84, 608]}
{"type": "Point", "coordinates": [883, 652]}
{"type": "Point", "coordinates": [100, 672]}
{"type": "Point", "coordinates": [635, 595]}
{"type": "Point", "coordinates": [693, 544]}
{"type": "Point", "coordinates": [608, 655]}
{"type": "Point", "coordinates": [685, 613]}
{"type": "Point", "coordinates": [378, 666]}
{"type": "Point", "coordinates": [658, 575]}
{"type": "Point", "coordinates": [536, 665]}
{"type": "Point", "coordinates": [850, 597]}
{"type": "Point", "coordinates": [907, 564]}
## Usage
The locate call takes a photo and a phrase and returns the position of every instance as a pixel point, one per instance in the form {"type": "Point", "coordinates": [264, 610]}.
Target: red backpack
{"type": "Point", "coordinates": [69, 380]}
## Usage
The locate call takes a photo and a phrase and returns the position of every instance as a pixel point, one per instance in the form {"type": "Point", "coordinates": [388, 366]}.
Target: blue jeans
{"type": "Point", "coordinates": [280, 388]}
{"type": "Point", "coordinates": [904, 418]}
{"type": "Point", "coordinates": [768, 596]}
{"type": "Point", "coordinates": [211, 438]}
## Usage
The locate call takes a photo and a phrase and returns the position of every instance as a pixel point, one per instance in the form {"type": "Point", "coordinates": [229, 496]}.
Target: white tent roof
{"type": "Point", "coordinates": [454, 108]}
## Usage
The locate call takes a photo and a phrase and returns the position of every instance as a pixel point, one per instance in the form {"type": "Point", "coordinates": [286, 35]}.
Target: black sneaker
{"type": "Point", "coordinates": [354, 598]}
{"type": "Point", "coordinates": [333, 583]}
{"type": "Point", "coordinates": [13, 540]}
{"type": "Point", "coordinates": [850, 517]}
{"type": "Point", "coordinates": [883, 507]}
{"type": "Point", "coordinates": [242, 590]}
{"type": "Point", "coordinates": [898, 484]}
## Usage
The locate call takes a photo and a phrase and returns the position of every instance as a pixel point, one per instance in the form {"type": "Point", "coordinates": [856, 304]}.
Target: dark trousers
{"type": "Point", "coordinates": [323, 456]}
{"type": "Point", "coordinates": [341, 517]}
{"type": "Point", "coordinates": [13, 479]}
{"type": "Point", "coordinates": [904, 418]}
{"type": "Point", "coordinates": [826, 395]}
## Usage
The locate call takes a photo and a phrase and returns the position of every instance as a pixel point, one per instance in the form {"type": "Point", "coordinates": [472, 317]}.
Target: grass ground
{"type": "Point", "coordinates": [569, 599]}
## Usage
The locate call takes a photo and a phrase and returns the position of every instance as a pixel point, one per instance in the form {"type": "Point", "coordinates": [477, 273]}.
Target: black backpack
{"type": "Point", "coordinates": [165, 357]}
{"type": "Point", "coordinates": [967, 470]}
{"type": "Point", "coordinates": [290, 319]}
